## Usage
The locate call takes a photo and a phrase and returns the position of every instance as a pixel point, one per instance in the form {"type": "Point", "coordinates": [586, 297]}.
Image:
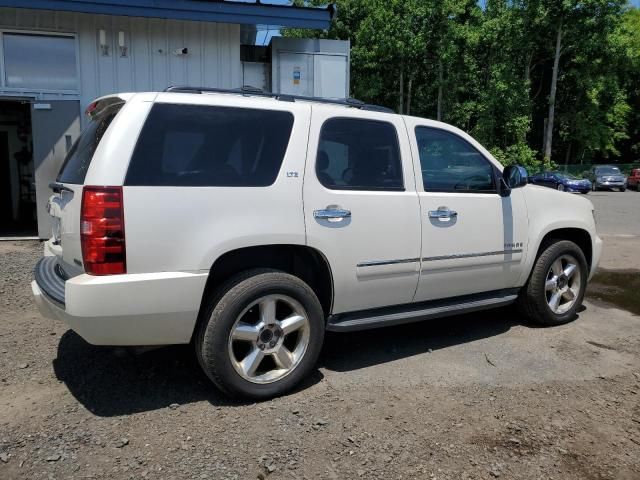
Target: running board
{"type": "Point", "coordinates": [416, 312]}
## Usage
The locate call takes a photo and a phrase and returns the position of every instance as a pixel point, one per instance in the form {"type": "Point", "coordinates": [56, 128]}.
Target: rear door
{"type": "Point", "coordinates": [361, 208]}
{"type": "Point", "coordinates": [65, 201]}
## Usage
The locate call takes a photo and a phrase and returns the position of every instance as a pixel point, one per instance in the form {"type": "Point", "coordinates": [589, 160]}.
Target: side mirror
{"type": "Point", "coordinates": [513, 176]}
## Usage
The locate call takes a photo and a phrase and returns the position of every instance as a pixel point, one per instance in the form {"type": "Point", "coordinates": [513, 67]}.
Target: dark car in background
{"type": "Point", "coordinates": [607, 177]}
{"type": "Point", "coordinates": [564, 182]}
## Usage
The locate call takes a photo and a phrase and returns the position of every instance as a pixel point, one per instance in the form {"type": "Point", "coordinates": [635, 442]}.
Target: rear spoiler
{"type": "Point", "coordinates": [98, 106]}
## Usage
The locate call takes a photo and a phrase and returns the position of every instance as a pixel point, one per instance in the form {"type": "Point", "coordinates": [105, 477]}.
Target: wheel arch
{"type": "Point", "coordinates": [302, 261]}
{"type": "Point", "coordinates": [579, 236]}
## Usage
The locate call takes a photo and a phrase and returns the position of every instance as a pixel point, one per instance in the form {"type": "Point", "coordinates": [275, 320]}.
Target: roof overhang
{"type": "Point", "coordinates": [198, 10]}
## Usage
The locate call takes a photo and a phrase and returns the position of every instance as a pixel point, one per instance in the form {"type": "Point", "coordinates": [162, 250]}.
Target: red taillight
{"type": "Point", "coordinates": [102, 231]}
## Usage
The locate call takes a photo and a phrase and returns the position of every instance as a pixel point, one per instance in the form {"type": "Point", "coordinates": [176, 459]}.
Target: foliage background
{"type": "Point", "coordinates": [489, 70]}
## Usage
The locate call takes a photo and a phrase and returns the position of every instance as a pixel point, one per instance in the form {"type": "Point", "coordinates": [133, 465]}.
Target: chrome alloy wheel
{"type": "Point", "coordinates": [269, 339]}
{"type": "Point", "coordinates": [563, 284]}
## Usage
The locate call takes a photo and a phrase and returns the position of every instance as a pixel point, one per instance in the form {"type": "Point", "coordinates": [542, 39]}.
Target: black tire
{"type": "Point", "coordinates": [622, 189]}
{"type": "Point", "coordinates": [532, 300]}
{"type": "Point", "coordinates": [220, 313]}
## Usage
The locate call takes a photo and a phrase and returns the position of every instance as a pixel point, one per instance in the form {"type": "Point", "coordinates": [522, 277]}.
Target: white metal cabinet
{"type": "Point", "coordinates": [312, 74]}
{"type": "Point", "coordinates": [330, 76]}
{"type": "Point", "coordinates": [296, 74]}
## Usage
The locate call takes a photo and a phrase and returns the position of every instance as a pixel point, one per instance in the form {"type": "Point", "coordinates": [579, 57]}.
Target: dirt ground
{"type": "Point", "coordinates": [478, 396]}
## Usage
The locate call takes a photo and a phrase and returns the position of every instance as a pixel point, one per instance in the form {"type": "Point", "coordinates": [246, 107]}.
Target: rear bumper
{"type": "Point", "coordinates": [133, 309]}
{"type": "Point", "coordinates": [51, 280]}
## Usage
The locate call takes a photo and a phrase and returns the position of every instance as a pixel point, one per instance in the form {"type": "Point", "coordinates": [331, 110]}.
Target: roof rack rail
{"type": "Point", "coordinates": [285, 97]}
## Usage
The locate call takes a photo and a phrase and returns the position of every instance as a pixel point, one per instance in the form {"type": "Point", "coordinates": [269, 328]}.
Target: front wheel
{"type": "Point", "coordinates": [557, 284]}
{"type": "Point", "coordinates": [261, 334]}
{"type": "Point", "coordinates": [560, 187]}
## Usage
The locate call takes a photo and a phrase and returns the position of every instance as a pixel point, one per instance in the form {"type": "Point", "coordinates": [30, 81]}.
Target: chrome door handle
{"type": "Point", "coordinates": [331, 214]}
{"type": "Point", "coordinates": [443, 212]}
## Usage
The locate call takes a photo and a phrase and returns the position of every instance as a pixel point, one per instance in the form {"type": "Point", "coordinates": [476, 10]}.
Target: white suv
{"type": "Point", "coordinates": [250, 223]}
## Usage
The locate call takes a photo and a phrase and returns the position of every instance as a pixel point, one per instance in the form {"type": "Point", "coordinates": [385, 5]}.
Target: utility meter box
{"type": "Point", "coordinates": [310, 67]}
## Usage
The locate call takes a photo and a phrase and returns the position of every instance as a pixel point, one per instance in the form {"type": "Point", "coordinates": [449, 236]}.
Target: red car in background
{"type": "Point", "coordinates": [633, 180]}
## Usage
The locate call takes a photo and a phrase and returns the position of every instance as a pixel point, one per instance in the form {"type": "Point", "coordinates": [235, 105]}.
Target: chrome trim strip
{"type": "Point", "coordinates": [376, 263]}
{"type": "Point", "coordinates": [470, 255]}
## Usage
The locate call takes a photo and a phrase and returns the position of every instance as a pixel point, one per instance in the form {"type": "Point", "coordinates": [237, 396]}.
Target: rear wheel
{"type": "Point", "coordinates": [557, 284]}
{"type": "Point", "coordinates": [261, 334]}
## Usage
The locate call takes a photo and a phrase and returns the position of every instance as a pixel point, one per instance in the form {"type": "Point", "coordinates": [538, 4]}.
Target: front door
{"type": "Point", "coordinates": [55, 127]}
{"type": "Point", "coordinates": [361, 207]}
{"type": "Point", "coordinates": [473, 240]}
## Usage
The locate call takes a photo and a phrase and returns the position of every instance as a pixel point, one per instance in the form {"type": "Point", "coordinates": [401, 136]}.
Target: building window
{"type": "Point", "coordinates": [40, 62]}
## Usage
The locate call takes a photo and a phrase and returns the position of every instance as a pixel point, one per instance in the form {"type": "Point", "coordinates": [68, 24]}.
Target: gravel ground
{"type": "Point", "coordinates": [478, 396]}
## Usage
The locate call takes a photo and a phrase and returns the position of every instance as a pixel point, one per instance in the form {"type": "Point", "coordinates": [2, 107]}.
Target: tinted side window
{"type": "Point", "coordinates": [450, 164]}
{"type": "Point", "coordinates": [201, 145]}
{"type": "Point", "coordinates": [356, 154]}
{"type": "Point", "coordinates": [76, 163]}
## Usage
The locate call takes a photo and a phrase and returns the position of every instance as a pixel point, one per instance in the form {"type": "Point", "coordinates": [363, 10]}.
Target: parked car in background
{"type": "Point", "coordinates": [633, 180]}
{"type": "Point", "coordinates": [564, 182]}
{"type": "Point", "coordinates": [607, 176]}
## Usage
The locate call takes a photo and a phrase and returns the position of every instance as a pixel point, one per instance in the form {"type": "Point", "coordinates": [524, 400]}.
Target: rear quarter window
{"type": "Point", "coordinates": [202, 145]}
{"type": "Point", "coordinates": [76, 163]}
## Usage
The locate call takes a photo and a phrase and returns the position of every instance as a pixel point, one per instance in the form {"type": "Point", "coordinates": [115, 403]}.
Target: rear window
{"type": "Point", "coordinates": [76, 163]}
{"type": "Point", "coordinates": [201, 145]}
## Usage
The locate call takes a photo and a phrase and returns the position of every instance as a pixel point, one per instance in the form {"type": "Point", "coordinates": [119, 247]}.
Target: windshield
{"type": "Point", "coordinates": [567, 176]}
{"type": "Point", "coordinates": [608, 171]}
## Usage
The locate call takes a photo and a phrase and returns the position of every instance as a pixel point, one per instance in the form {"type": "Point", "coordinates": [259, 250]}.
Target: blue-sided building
{"type": "Point", "coordinates": [58, 55]}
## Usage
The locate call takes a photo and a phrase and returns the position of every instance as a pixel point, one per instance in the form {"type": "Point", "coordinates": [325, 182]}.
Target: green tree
{"type": "Point", "coordinates": [531, 79]}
